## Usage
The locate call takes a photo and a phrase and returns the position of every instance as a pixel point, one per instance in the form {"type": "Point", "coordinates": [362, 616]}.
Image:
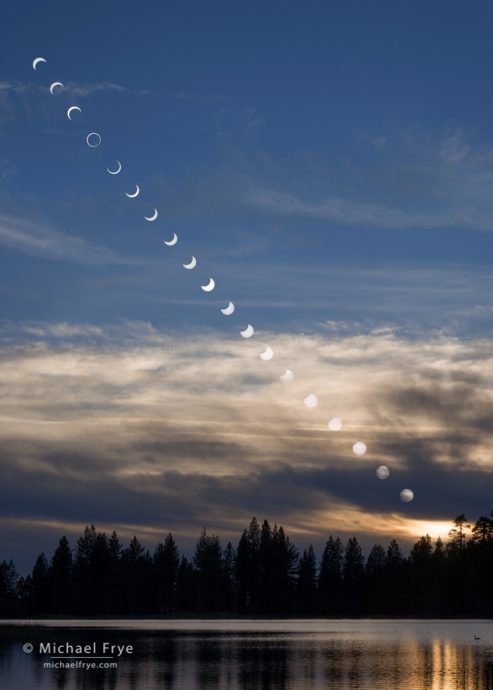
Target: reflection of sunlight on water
{"type": "Point", "coordinates": [356, 655]}
{"type": "Point", "coordinates": [441, 662]}
{"type": "Point", "coordinates": [454, 667]}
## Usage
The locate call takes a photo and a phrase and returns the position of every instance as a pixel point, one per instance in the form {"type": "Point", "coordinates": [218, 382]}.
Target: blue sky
{"type": "Point", "coordinates": [330, 164]}
{"type": "Point", "coordinates": [343, 140]}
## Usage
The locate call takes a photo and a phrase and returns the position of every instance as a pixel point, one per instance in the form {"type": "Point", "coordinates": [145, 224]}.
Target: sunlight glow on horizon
{"type": "Point", "coordinates": [437, 528]}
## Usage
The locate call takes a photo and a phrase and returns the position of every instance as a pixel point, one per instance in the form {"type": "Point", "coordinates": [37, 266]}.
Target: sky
{"type": "Point", "coordinates": [330, 165]}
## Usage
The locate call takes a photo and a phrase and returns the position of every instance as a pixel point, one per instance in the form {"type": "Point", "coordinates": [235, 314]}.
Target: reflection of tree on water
{"type": "Point", "coordinates": [346, 659]}
{"type": "Point", "coordinates": [264, 663]}
{"type": "Point", "coordinates": [61, 678]}
{"type": "Point", "coordinates": [488, 675]}
{"type": "Point", "coordinates": [7, 651]}
{"type": "Point", "coordinates": [208, 656]}
{"type": "Point", "coordinates": [167, 651]}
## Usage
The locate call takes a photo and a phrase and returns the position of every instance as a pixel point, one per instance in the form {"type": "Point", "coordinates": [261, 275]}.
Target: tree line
{"type": "Point", "coordinates": [264, 575]}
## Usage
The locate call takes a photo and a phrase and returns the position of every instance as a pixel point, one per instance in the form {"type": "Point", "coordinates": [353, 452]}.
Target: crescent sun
{"type": "Point", "coordinates": [36, 61]}
{"type": "Point", "coordinates": [227, 311]}
{"type": "Point", "coordinates": [54, 85]}
{"type": "Point", "coordinates": [72, 107]}
{"type": "Point", "coordinates": [152, 218]}
{"type": "Point", "coordinates": [248, 332]}
{"type": "Point", "coordinates": [267, 354]}
{"type": "Point", "coordinates": [135, 194]}
{"type": "Point", "coordinates": [210, 286]}
{"type": "Point", "coordinates": [118, 169]}
{"type": "Point", "coordinates": [190, 265]}
{"type": "Point", "coordinates": [287, 376]}
{"type": "Point", "coordinates": [172, 241]}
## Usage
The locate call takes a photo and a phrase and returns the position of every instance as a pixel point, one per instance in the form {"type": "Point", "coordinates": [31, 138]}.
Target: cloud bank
{"type": "Point", "coordinates": [148, 432]}
{"type": "Point", "coordinates": [31, 236]}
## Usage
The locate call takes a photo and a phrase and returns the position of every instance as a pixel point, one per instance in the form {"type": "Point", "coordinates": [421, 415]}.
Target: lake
{"type": "Point", "coordinates": [247, 655]}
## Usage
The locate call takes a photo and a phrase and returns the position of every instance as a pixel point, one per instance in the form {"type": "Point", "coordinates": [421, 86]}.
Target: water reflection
{"type": "Point", "coordinates": [408, 657]}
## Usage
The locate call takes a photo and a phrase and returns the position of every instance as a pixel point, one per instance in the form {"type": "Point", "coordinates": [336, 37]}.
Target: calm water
{"type": "Point", "coordinates": [250, 655]}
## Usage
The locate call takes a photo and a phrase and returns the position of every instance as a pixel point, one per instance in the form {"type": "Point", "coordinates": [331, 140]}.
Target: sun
{"type": "Point", "coordinates": [435, 528]}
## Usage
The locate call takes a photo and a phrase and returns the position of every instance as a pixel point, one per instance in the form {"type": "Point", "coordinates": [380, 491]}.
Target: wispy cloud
{"type": "Point", "coordinates": [371, 215]}
{"type": "Point", "coordinates": [251, 120]}
{"type": "Point", "coordinates": [7, 87]}
{"type": "Point", "coordinates": [455, 147]}
{"type": "Point", "coordinates": [33, 100]}
{"type": "Point", "coordinates": [411, 180]}
{"type": "Point", "coordinates": [7, 169]}
{"type": "Point", "coordinates": [375, 141]}
{"type": "Point", "coordinates": [63, 330]}
{"type": "Point", "coordinates": [81, 89]}
{"type": "Point", "coordinates": [85, 89]}
{"type": "Point", "coordinates": [33, 237]}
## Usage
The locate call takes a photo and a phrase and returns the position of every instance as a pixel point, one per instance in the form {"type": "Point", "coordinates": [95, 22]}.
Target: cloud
{"type": "Point", "coordinates": [81, 89]}
{"type": "Point", "coordinates": [12, 87]}
{"type": "Point", "coordinates": [455, 147]}
{"type": "Point", "coordinates": [85, 89]}
{"type": "Point", "coordinates": [32, 100]}
{"type": "Point", "coordinates": [376, 142]}
{"type": "Point", "coordinates": [132, 426]}
{"type": "Point", "coordinates": [31, 236]}
{"type": "Point", "coordinates": [63, 330]}
{"type": "Point", "coordinates": [371, 215]}
{"type": "Point", "coordinates": [7, 169]}
{"type": "Point", "coordinates": [411, 180]}
{"type": "Point", "coordinates": [251, 120]}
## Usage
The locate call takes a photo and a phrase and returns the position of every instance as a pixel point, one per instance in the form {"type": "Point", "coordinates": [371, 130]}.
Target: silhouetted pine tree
{"type": "Point", "coordinates": [458, 533]}
{"type": "Point", "coordinates": [83, 586]}
{"type": "Point", "coordinates": [330, 578]}
{"type": "Point", "coordinates": [482, 532]}
{"type": "Point", "coordinates": [228, 578]}
{"type": "Point", "coordinates": [24, 590]}
{"type": "Point", "coordinates": [375, 580]}
{"type": "Point", "coordinates": [284, 568]}
{"type": "Point", "coordinates": [186, 587]}
{"type": "Point", "coordinates": [8, 588]}
{"type": "Point", "coordinates": [242, 567]}
{"type": "Point", "coordinates": [458, 565]}
{"type": "Point", "coordinates": [397, 593]}
{"type": "Point", "coordinates": [306, 593]}
{"type": "Point", "coordinates": [481, 568]}
{"type": "Point", "coordinates": [439, 564]}
{"type": "Point", "coordinates": [100, 574]}
{"type": "Point", "coordinates": [253, 567]}
{"type": "Point", "coordinates": [166, 562]}
{"type": "Point", "coordinates": [60, 577]}
{"type": "Point", "coordinates": [421, 575]}
{"type": "Point", "coordinates": [265, 568]}
{"type": "Point", "coordinates": [115, 596]}
{"type": "Point", "coordinates": [208, 563]}
{"type": "Point", "coordinates": [40, 588]}
{"type": "Point", "coordinates": [136, 576]}
{"type": "Point", "coordinates": [353, 570]}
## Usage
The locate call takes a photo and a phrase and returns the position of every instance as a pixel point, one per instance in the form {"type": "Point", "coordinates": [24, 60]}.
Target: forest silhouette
{"type": "Point", "coordinates": [264, 575]}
